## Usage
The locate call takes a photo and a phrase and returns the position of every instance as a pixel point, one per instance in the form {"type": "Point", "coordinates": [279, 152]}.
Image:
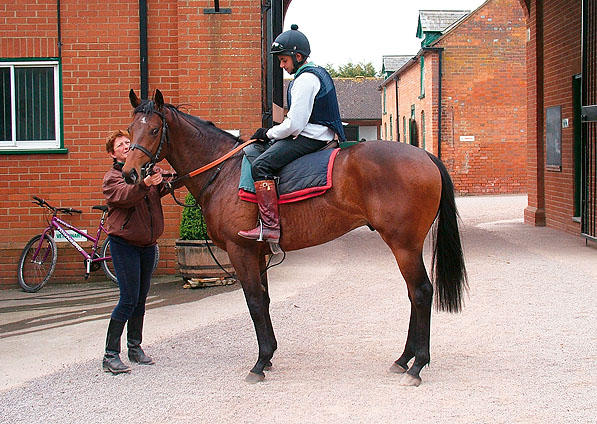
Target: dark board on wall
{"type": "Point", "coordinates": [553, 138]}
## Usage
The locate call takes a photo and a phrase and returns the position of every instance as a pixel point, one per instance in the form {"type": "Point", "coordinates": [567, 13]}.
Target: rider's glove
{"type": "Point", "coordinates": [261, 134]}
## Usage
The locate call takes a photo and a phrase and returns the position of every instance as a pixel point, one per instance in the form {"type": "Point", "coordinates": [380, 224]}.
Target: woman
{"type": "Point", "coordinates": [135, 221]}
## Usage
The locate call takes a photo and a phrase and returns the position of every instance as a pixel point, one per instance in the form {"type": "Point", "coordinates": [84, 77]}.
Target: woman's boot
{"type": "Point", "coordinates": [112, 362]}
{"type": "Point", "coordinates": [134, 337]}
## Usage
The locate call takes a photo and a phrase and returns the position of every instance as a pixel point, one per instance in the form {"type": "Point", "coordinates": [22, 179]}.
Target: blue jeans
{"type": "Point", "coordinates": [133, 267]}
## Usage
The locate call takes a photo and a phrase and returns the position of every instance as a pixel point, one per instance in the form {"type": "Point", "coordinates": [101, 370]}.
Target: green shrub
{"type": "Point", "coordinates": [192, 224]}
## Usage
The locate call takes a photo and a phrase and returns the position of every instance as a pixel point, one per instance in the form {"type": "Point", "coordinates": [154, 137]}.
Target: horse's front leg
{"type": "Point", "coordinates": [247, 265]}
{"type": "Point", "coordinates": [264, 282]}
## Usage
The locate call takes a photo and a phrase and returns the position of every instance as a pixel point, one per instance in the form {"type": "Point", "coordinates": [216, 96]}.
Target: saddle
{"type": "Point", "coordinates": [306, 177]}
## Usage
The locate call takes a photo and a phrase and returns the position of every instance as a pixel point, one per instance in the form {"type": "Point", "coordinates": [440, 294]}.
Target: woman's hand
{"type": "Point", "coordinates": [155, 178]}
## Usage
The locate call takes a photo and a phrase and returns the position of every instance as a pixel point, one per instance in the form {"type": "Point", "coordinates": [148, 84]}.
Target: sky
{"type": "Point", "coordinates": [340, 31]}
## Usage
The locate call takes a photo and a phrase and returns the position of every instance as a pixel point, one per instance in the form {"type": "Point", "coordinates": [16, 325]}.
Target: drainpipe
{"type": "Point", "coordinates": [143, 48]}
{"type": "Point", "coordinates": [397, 110]}
{"type": "Point", "coordinates": [59, 29]}
{"type": "Point", "coordinates": [439, 51]}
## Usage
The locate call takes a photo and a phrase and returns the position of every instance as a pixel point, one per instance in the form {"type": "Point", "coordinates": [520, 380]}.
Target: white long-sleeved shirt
{"type": "Point", "coordinates": [303, 92]}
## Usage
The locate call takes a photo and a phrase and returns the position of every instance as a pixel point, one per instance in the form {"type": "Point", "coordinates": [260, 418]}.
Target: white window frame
{"type": "Point", "coordinates": [32, 145]}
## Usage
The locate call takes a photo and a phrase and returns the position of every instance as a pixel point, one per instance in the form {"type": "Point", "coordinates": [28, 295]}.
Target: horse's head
{"type": "Point", "coordinates": [149, 136]}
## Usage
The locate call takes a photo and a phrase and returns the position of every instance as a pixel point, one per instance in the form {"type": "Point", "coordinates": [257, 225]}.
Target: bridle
{"type": "Point", "coordinates": [147, 168]}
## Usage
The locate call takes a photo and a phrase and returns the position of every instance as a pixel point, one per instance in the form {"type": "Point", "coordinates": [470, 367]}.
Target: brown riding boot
{"type": "Point", "coordinates": [268, 228]}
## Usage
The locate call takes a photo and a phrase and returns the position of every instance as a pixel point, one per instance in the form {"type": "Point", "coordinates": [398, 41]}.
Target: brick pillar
{"type": "Point", "coordinates": [535, 211]}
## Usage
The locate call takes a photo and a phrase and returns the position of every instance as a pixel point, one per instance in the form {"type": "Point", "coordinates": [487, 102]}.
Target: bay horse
{"type": "Point", "coordinates": [397, 189]}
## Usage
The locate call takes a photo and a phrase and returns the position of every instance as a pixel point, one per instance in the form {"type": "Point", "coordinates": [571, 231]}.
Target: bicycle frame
{"type": "Point", "coordinates": [59, 224]}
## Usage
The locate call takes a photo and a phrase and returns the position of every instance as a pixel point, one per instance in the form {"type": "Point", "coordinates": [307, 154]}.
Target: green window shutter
{"type": "Point", "coordinates": [423, 130]}
{"type": "Point", "coordinates": [391, 129]}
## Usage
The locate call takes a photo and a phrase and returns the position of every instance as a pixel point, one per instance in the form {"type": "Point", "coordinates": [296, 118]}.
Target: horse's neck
{"type": "Point", "coordinates": [189, 153]}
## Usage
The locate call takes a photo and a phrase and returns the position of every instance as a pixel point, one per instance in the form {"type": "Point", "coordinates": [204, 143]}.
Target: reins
{"type": "Point", "coordinates": [170, 186]}
{"type": "Point", "coordinates": [178, 182]}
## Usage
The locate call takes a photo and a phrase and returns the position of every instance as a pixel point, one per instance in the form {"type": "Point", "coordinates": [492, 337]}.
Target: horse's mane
{"type": "Point", "coordinates": [148, 107]}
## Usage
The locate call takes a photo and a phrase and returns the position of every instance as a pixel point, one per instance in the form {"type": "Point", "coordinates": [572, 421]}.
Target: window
{"type": "Point", "coordinates": [29, 106]}
{"type": "Point", "coordinates": [385, 131]}
{"type": "Point", "coordinates": [422, 78]}
{"type": "Point", "coordinates": [351, 132]}
{"type": "Point", "coordinates": [384, 100]}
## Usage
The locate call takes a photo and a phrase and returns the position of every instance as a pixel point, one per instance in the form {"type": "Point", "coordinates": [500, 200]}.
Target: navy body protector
{"type": "Point", "coordinates": [325, 108]}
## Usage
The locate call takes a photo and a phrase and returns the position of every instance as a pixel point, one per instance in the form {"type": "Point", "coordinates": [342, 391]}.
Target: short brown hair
{"type": "Point", "coordinates": [113, 137]}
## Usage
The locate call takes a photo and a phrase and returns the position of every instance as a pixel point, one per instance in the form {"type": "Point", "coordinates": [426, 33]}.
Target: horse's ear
{"type": "Point", "coordinates": [135, 101]}
{"type": "Point", "coordinates": [158, 99]}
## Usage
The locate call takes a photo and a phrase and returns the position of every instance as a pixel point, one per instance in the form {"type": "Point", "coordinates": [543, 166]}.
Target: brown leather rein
{"type": "Point", "coordinates": [179, 182]}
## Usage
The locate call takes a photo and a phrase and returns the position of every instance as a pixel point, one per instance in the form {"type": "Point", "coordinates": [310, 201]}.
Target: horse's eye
{"type": "Point", "coordinates": [155, 131]}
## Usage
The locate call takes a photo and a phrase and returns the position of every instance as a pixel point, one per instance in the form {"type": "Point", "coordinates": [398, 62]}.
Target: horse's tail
{"type": "Point", "coordinates": [448, 269]}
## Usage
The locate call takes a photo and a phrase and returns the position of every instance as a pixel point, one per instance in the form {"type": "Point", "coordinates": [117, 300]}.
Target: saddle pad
{"type": "Point", "coordinates": [308, 176]}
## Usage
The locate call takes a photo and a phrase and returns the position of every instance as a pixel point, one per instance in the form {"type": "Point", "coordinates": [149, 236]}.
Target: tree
{"type": "Point", "coordinates": [350, 70]}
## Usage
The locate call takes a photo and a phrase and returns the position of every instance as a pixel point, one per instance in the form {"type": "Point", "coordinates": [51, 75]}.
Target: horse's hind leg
{"type": "Point", "coordinates": [420, 293]}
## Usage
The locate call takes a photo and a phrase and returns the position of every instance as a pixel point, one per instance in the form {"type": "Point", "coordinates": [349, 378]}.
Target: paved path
{"type": "Point", "coordinates": [524, 349]}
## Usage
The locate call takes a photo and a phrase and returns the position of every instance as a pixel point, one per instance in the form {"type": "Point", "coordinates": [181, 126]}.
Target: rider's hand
{"type": "Point", "coordinates": [261, 134]}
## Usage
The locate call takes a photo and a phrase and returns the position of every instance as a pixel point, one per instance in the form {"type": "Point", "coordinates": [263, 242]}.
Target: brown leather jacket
{"type": "Point", "coordinates": [134, 211]}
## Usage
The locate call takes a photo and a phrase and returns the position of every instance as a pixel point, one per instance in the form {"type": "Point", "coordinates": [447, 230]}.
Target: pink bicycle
{"type": "Point", "coordinates": [39, 257]}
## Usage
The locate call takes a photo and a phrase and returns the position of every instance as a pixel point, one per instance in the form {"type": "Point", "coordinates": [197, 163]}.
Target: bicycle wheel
{"type": "Point", "coordinates": [108, 267]}
{"type": "Point", "coordinates": [35, 271]}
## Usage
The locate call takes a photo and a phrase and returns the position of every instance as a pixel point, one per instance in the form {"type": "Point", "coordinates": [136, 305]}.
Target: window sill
{"type": "Point", "coordinates": [32, 152]}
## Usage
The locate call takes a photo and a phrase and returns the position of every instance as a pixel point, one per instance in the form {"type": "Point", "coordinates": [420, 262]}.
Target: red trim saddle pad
{"type": "Point", "coordinates": [300, 193]}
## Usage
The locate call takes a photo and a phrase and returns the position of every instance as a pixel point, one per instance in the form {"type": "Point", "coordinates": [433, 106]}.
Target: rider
{"type": "Point", "coordinates": [312, 121]}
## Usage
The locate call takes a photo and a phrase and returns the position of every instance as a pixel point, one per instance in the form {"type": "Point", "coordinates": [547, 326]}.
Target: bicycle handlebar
{"type": "Point", "coordinates": [41, 202]}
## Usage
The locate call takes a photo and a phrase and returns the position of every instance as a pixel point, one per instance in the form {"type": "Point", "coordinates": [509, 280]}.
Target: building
{"type": "Point", "coordinates": [358, 99]}
{"type": "Point", "coordinates": [360, 109]}
{"type": "Point", "coordinates": [562, 115]}
{"type": "Point", "coordinates": [66, 69]}
{"type": "Point", "coordinates": [463, 96]}
{"type": "Point", "coordinates": [391, 63]}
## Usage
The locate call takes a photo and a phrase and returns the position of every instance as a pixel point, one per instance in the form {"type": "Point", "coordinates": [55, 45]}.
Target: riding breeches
{"type": "Point", "coordinates": [267, 158]}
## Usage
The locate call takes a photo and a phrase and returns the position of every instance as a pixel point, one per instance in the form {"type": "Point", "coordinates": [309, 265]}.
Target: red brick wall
{"type": "Point", "coordinates": [535, 211]}
{"type": "Point", "coordinates": [210, 63]}
{"type": "Point", "coordinates": [409, 89]}
{"type": "Point", "coordinates": [483, 95]}
{"type": "Point", "coordinates": [562, 60]}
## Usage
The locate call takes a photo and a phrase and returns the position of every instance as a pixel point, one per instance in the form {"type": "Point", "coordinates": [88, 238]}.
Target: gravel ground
{"type": "Point", "coordinates": [524, 350]}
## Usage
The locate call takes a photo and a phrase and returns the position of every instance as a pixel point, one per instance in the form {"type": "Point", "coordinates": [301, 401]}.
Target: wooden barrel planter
{"type": "Point", "coordinates": [197, 266]}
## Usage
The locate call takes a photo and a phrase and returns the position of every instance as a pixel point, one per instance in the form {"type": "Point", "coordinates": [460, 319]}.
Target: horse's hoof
{"type": "Point", "coordinates": [254, 378]}
{"type": "Point", "coordinates": [397, 369]}
{"type": "Point", "coordinates": [409, 380]}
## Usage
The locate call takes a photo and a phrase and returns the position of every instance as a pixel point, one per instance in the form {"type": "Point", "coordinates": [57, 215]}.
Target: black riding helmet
{"type": "Point", "coordinates": [290, 43]}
